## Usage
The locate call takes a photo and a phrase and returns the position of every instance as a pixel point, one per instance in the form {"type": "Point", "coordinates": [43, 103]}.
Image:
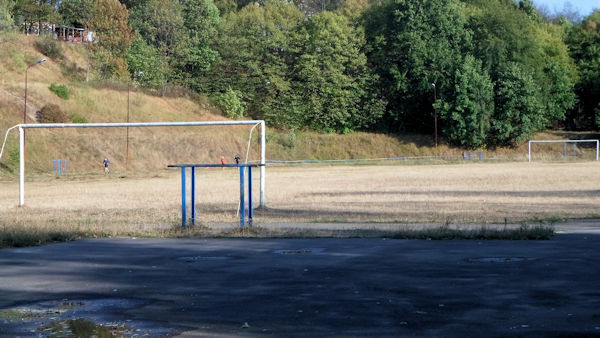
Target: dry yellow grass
{"type": "Point", "coordinates": [363, 195]}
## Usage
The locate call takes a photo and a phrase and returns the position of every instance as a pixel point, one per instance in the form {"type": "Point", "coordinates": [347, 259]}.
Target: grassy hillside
{"type": "Point", "coordinates": [153, 148]}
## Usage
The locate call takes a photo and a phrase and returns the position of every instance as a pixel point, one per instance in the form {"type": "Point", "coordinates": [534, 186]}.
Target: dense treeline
{"type": "Point", "coordinates": [491, 72]}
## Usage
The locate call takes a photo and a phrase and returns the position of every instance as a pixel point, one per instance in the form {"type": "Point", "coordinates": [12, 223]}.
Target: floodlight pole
{"type": "Point", "coordinates": [138, 74]}
{"type": "Point", "coordinates": [26, 70]}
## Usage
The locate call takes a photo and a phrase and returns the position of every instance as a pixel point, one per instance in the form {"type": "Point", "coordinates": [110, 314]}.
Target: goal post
{"type": "Point", "coordinates": [565, 142]}
{"type": "Point", "coordinates": [22, 128]}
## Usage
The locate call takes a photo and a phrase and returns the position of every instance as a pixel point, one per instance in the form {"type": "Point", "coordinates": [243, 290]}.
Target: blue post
{"type": "Point", "coordinates": [193, 197]}
{"type": "Point", "coordinates": [480, 155]}
{"type": "Point", "coordinates": [60, 164]}
{"type": "Point", "coordinates": [183, 207]}
{"type": "Point", "coordinates": [250, 196]}
{"type": "Point", "coordinates": [242, 202]}
{"type": "Point", "coordinates": [65, 167]}
{"type": "Point", "coordinates": [54, 167]}
{"type": "Point", "coordinates": [469, 155]}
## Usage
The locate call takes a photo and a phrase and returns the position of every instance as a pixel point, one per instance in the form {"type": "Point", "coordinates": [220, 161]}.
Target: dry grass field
{"type": "Point", "coordinates": [367, 196]}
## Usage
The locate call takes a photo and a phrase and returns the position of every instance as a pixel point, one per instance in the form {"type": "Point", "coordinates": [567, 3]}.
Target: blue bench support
{"type": "Point", "coordinates": [250, 196]}
{"type": "Point", "coordinates": [242, 168]}
{"type": "Point", "coordinates": [242, 203]}
{"type": "Point", "coordinates": [183, 199]}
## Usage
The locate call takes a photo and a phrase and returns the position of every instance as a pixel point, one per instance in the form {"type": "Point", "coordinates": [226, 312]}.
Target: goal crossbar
{"type": "Point", "coordinates": [22, 128]}
{"type": "Point", "coordinates": [565, 141]}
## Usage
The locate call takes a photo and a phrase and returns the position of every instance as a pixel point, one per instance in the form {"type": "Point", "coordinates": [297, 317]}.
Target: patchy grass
{"type": "Point", "coordinates": [483, 233]}
{"type": "Point", "coordinates": [474, 201]}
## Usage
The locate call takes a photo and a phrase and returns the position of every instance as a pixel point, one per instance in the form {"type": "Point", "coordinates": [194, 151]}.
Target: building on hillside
{"type": "Point", "coordinates": [61, 32]}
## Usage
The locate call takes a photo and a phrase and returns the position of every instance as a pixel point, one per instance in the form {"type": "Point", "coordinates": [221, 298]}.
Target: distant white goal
{"type": "Point", "coordinates": [566, 151]}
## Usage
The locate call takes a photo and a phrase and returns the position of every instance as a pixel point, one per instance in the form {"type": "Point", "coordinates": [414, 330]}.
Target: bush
{"type": "Point", "coordinates": [60, 90]}
{"type": "Point", "coordinates": [49, 47]}
{"type": "Point", "coordinates": [52, 113]}
{"type": "Point", "coordinates": [231, 103]}
{"type": "Point", "coordinates": [76, 118]}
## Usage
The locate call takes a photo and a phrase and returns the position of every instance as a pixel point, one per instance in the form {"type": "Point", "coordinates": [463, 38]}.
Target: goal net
{"type": "Point", "coordinates": [566, 150]}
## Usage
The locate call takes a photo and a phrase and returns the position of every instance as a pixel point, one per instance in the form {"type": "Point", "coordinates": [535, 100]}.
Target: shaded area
{"type": "Point", "coordinates": [321, 287]}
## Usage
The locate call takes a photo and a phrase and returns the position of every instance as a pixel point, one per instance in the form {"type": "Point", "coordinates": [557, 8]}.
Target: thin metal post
{"type": "Point", "coordinates": [183, 207]}
{"type": "Point", "coordinates": [242, 202]}
{"type": "Point", "coordinates": [469, 155]}
{"type": "Point", "coordinates": [480, 156]}
{"type": "Point", "coordinates": [262, 164]}
{"type": "Point", "coordinates": [565, 151]}
{"type": "Point", "coordinates": [21, 166]}
{"type": "Point", "coordinates": [193, 197]}
{"type": "Point", "coordinates": [65, 167]}
{"type": "Point", "coordinates": [250, 196]}
{"type": "Point", "coordinates": [53, 167]}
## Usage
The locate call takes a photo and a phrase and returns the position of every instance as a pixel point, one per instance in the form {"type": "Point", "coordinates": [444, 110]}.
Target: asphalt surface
{"type": "Point", "coordinates": [306, 287]}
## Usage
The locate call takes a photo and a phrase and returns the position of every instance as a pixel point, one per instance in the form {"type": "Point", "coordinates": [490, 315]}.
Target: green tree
{"type": "Point", "coordinates": [110, 21]}
{"type": "Point", "coordinates": [466, 114]}
{"type": "Point", "coordinates": [255, 57]}
{"type": "Point", "coordinates": [160, 23]}
{"type": "Point", "coordinates": [331, 77]}
{"type": "Point", "coordinates": [194, 54]}
{"type": "Point", "coordinates": [146, 59]}
{"type": "Point", "coordinates": [6, 17]}
{"type": "Point", "coordinates": [505, 33]}
{"type": "Point", "coordinates": [516, 115]}
{"type": "Point", "coordinates": [584, 43]}
{"type": "Point", "coordinates": [413, 44]}
{"type": "Point", "coordinates": [76, 13]}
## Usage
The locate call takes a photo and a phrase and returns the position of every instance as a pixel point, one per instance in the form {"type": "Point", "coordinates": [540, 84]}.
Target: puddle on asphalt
{"type": "Point", "coordinates": [192, 259]}
{"type": "Point", "coordinates": [77, 318]}
{"type": "Point", "coordinates": [500, 259]}
{"type": "Point", "coordinates": [298, 251]}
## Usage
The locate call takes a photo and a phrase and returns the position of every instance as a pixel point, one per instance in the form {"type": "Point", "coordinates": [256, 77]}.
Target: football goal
{"type": "Point", "coordinates": [23, 127]}
{"type": "Point", "coordinates": [569, 147]}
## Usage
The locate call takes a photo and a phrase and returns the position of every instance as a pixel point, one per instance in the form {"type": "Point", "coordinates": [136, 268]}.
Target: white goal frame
{"type": "Point", "coordinates": [22, 128]}
{"type": "Point", "coordinates": [564, 141]}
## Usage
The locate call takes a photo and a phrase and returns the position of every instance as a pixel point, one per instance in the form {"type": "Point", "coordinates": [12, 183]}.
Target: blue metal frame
{"type": "Point", "coordinates": [242, 167]}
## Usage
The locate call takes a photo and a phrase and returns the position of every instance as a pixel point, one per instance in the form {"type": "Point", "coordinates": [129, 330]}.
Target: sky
{"type": "Point", "coordinates": [584, 7]}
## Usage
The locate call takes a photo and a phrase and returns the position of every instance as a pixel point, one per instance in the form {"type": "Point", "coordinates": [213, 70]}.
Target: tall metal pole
{"type": "Point", "coordinates": [26, 70]}
{"type": "Point", "coordinates": [128, 109]}
{"type": "Point", "coordinates": [435, 115]}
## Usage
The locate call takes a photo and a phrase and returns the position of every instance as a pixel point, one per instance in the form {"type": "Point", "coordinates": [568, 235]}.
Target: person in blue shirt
{"type": "Point", "coordinates": [106, 163]}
